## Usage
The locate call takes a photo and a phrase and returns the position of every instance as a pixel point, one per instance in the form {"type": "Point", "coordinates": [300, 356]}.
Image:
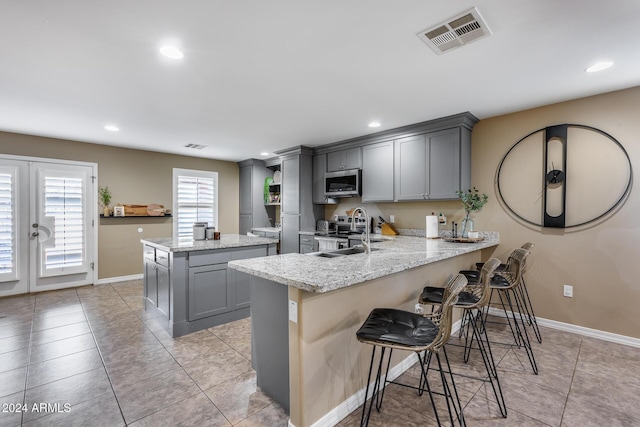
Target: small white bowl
{"type": "Point", "coordinates": [474, 234]}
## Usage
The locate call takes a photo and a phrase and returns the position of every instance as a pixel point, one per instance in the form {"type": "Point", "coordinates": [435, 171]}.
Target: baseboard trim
{"type": "Point", "coordinates": [354, 401]}
{"type": "Point", "coordinates": [119, 279]}
{"type": "Point", "coordinates": [580, 330]}
{"type": "Point", "coordinates": [341, 411]}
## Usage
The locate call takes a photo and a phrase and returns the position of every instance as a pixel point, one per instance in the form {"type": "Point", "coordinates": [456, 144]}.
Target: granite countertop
{"type": "Point", "coordinates": [226, 241]}
{"type": "Point", "coordinates": [396, 254]}
{"type": "Point", "coordinates": [266, 229]}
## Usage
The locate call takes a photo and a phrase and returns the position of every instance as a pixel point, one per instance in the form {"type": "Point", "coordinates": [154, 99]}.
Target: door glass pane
{"type": "Point", "coordinates": [63, 200]}
{"type": "Point", "coordinates": [8, 269]}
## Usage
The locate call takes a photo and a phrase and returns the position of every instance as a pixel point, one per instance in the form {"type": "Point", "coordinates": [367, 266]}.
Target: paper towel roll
{"type": "Point", "coordinates": [432, 227]}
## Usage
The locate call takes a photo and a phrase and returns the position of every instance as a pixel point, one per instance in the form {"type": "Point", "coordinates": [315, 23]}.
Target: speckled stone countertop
{"type": "Point", "coordinates": [226, 241]}
{"type": "Point", "coordinates": [318, 274]}
{"type": "Point", "coordinates": [266, 229]}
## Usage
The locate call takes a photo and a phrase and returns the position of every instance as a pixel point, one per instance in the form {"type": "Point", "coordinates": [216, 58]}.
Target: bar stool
{"type": "Point", "coordinates": [524, 293]}
{"type": "Point", "coordinates": [475, 296]}
{"type": "Point", "coordinates": [397, 329]}
{"type": "Point", "coordinates": [506, 284]}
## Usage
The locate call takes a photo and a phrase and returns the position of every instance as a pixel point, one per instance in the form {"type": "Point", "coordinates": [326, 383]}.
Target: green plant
{"type": "Point", "coordinates": [105, 196]}
{"type": "Point", "coordinates": [472, 200]}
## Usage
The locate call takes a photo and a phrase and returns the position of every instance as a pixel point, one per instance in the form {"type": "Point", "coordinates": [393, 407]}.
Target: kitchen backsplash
{"type": "Point", "coordinates": [408, 215]}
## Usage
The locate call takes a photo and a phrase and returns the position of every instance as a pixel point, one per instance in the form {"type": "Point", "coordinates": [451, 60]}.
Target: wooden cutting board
{"type": "Point", "coordinates": [155, 210]}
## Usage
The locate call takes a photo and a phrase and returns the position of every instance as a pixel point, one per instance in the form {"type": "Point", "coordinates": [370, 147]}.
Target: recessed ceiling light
{"type": "Point", "coordinates": [374, 124]}
{"type": "Point", "coordinates": [599, 66]}
{"type": "Point", "coordinates": [264, 153]}
{"type": "Point", "coordinates": [112, 128]}
{"type": "Point", "coordinates": [171, 52]}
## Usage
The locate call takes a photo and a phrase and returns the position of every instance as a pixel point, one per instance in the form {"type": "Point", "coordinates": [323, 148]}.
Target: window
{"type": "Point", "coordinates": [195, 199]}
{"type": "Point", "coordinates": [8, 268]}
{"type": "Point", "coordinates": [63, 201]}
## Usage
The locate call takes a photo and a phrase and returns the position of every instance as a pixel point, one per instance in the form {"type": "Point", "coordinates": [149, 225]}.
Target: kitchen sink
{"type": "Point", "coordinates": [343, 252]}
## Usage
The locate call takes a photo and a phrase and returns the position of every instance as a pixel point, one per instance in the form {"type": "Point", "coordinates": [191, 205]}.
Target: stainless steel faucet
{"type": "Point", "coordinates": [366, 245]}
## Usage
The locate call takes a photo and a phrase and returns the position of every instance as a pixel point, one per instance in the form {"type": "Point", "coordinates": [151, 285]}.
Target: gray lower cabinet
{"type": "Point", "coordinates": [210, 291]}
{"type": "Point", "coordinates": [307, 244]}
{"type": "Point", "coordinates": [377, 172]}
{"type": "Point", "coordinates": [156, 280]}
{"type": "Point", "coordinates": [190, 291]}
{"type": "Point", "coordinates": [164, 291]}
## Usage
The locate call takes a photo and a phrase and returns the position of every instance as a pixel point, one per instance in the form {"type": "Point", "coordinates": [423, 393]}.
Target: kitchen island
{"type": "Point", "coordinates": [187, 285]}
{"type": "Point", "coordinates": [306, 310]}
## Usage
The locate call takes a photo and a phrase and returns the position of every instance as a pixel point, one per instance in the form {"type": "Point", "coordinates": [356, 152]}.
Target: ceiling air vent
{"type": "Point", "coordinates": [195, 146]}
{"type": "Point", "coordinates": [455, 32]}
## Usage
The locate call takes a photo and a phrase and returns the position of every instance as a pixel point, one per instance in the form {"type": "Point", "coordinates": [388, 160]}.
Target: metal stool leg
{"type": "Point", "coordinates": [523, 338]}
{"type": "Point", "coordinates": [366, 414]}
{"type": "Point", "coordinates": [526, 301]}
{"type": "Point", "coordinates": [489, 362]}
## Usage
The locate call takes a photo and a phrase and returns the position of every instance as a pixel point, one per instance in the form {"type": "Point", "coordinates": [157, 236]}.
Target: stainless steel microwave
{"type": "Point", "coordinates": [342, 183]}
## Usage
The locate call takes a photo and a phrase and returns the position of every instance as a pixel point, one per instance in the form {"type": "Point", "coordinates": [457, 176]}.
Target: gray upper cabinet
{"type": "Point", "coordinates": [252, 210]}
{"type": "Point", "coordinates": [350, 158]}
{"type": "Point", "coordinates": [377, 172]}
{"type": "Point", "coordinates": [297, 210]}
{"type": "Point", "coordinates": [411, 159]}
{"type": "Point", "coordinates": [246, 190]}
{"type": "Point", "coordinates": [319, 169]}
{"type": "Point", "coordinates": [445, 161]}
{"type": "Point", "coordinates": [432, 166]}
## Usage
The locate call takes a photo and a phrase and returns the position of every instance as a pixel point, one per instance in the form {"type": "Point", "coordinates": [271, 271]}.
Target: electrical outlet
{"type": "Point", "coordinates": [568, 291]}
{"type": "Point", "coordinates": [392, 219]}
{"type": "Point", "coordinates": [293, 311]}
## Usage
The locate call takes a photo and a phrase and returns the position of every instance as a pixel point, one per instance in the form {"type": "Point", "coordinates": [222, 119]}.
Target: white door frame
{"type": "Point", "coordinates": [93, 187]}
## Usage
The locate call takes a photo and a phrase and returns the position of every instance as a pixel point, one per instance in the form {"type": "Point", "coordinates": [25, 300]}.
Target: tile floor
{"type": "Point", "coordinates": [94, 349]}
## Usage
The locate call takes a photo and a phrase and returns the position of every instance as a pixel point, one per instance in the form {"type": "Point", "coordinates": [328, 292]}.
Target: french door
{"type": "Point", "coordinates": [47, 218]}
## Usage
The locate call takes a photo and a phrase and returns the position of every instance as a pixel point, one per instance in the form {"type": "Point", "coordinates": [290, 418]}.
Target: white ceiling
{"type": "Point", "coordinates": [268, 75]}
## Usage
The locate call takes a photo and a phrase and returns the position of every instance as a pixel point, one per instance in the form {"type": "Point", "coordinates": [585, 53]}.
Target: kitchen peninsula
{"type": "Point", "coordinates": [307, 308]}
{"type": "Point", "coordinates": [187, 285]}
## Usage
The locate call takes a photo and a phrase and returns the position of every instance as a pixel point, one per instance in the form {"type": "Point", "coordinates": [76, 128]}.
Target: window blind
{"type": "Point", "coordinates": [7, 227]}
{"type": "Point", "coordinates": [195, 202]}
{"type": "Point", "coordinates": [63, 200]}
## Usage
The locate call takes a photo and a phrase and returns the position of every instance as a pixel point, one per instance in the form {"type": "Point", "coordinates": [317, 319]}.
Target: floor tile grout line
{"type": "Point", "coordinates": [575, 367]}
{"type": "Point", "coordinates": [194, 381]}
{"type": "Point", "coordinates": [171, 355]}
{"type": "Point", "coordinates": [26, 371]}
{"type": "Point", "coordinates": [104, 365]}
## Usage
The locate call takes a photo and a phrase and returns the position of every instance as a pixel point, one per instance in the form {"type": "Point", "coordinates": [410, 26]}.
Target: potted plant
{"type": "Point", "coordinates": [471, 201]}
{"type": "Point", "coordinates": [105, 198]}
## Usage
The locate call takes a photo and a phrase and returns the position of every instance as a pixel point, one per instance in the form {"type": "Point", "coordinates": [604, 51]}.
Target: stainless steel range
{"type": "Point", "coordinates": [343, 236]}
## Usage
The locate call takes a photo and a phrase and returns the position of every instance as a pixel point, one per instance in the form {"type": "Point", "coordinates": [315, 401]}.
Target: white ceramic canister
{"type": "Point", "coordinates": [210, 231]}
{"type": "Point", "coordinates": [199, 232]}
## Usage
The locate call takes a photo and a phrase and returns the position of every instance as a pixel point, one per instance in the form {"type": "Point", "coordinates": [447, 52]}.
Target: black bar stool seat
{"type": "Point", "coordinates": [387, 325]}
{"type": "Point", "coordinates": [392, 329]}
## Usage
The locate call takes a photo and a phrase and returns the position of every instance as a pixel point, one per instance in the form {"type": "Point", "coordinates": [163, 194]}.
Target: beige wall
{"type": "Point", "coordinates": [134, 177]}
{"type": "Point", "coordinates": [599, 261]}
